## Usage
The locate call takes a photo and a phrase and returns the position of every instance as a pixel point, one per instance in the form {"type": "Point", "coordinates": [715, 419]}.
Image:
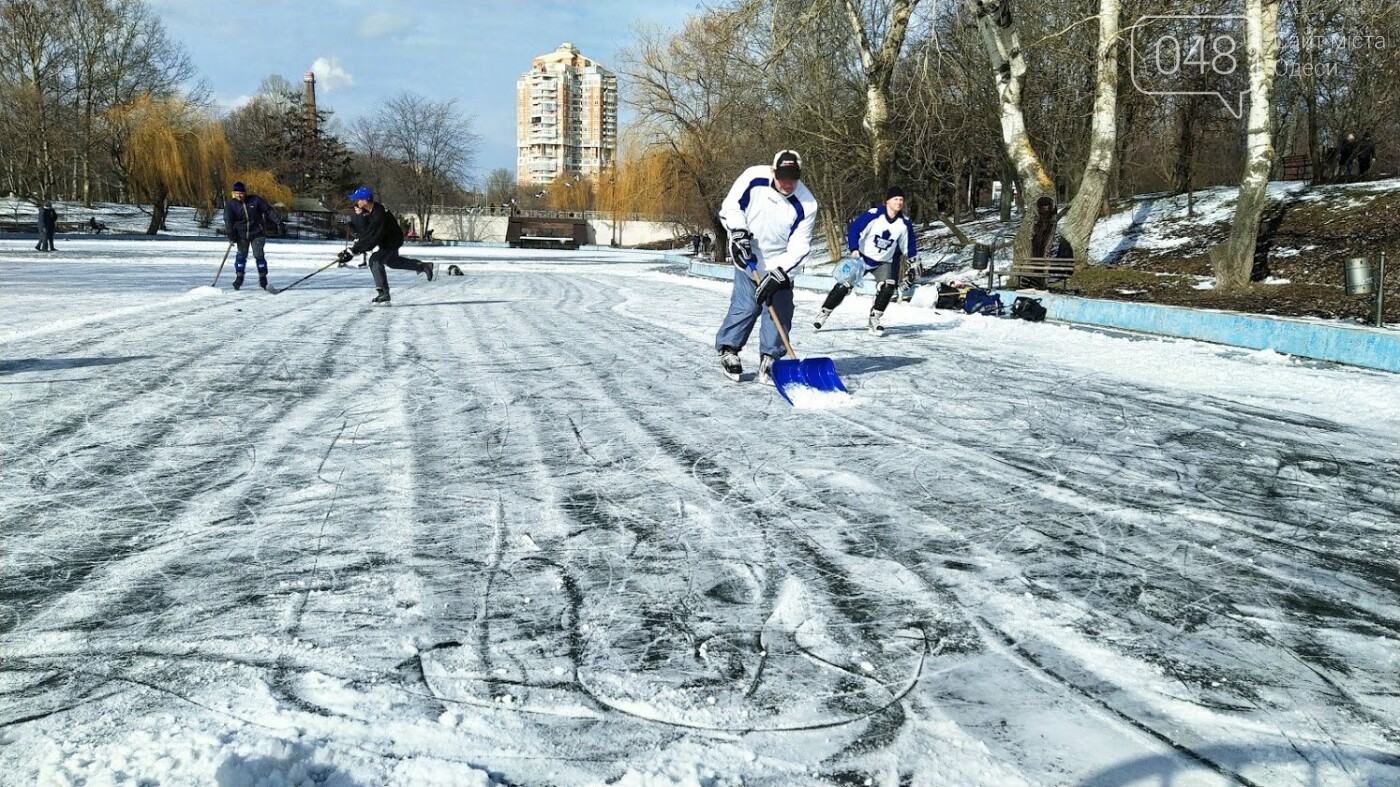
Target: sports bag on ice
{"type": "Point", "coordinates": [981, 302]}
{"type": "Point", "coordinates": [1028, 309]}
{"type": "Point", "coordinates": [949, 297]}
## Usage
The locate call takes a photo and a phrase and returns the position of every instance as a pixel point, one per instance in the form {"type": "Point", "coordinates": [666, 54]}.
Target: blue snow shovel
{"type": "Point", "coordinates": [818, 374]}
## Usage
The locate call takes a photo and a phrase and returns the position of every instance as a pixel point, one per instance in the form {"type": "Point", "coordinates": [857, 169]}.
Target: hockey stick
{"type": "Point", "coordinates": [274, 291]}
{"type": "Point", "coordinates": [218, 272]}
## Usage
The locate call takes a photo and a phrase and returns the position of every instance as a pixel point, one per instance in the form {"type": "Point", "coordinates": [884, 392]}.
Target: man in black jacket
{"type": "Point", "coordinates": [380, 230]}
{"type": "Point", "coordinates": [48, 220]}
{"type": "Point", "coordinates": [1365, 153]}
{"type": "Point", "coordinates": [245, 217]}
{"type": "Point", "coordinates": [354, 225]}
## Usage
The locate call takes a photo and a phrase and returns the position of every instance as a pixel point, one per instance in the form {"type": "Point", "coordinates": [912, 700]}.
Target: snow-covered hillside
{"type": "Point", "coordinates": [119, 218]}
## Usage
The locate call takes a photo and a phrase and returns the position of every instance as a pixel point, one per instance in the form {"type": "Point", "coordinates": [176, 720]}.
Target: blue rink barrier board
{"type": "Point", "coordinates": [1354, 345]}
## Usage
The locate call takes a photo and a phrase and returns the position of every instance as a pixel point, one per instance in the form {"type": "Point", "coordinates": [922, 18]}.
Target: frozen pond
{"type": "Point", "coordinates": [518, 529]}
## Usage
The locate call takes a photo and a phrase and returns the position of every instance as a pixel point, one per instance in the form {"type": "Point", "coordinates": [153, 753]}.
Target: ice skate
{"type": "Point", "coordinates": [821, 319]}
{"type": "Point", "coordinates": [875, 327]}
{"type": "Point", "coordinates": [729, 361]}
{"type": "Point", "coordinates": [765, 369]}
{"type": "Point", "coordinates": [381, 299]}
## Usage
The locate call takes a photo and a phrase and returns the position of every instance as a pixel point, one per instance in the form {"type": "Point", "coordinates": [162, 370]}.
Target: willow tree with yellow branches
{"type": "Point", "coordinates": [167, 151]}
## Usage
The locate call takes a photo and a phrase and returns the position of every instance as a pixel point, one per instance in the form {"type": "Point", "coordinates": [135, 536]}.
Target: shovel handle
{"type": "Point", "coordinates": [777, 323]}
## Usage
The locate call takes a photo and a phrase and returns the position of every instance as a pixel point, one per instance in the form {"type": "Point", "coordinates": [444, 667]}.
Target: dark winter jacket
{"type": "Point", "coordinates": [1366, 149]}
{"type": "Point", "coordinates": [245, 219]}
{"type": "Point", "coordinates": [381, 229]}
{"type": "Point", "coordinates": [357, 222]}
{"type": "Point", "coordinates": [1346, 151]}
{"type": "Point", "coordinates": [48, 218]}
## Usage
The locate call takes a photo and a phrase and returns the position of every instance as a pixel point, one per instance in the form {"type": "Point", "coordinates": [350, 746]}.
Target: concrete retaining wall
{"type": "Point", "coordinates": [1355, 345]}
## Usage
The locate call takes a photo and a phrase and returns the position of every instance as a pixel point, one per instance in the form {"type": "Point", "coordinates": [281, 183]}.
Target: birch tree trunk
{"type": "Point", "coordinates": [1003, 46]}
{"type": "Point", "coordinates": [1232, 261]}
{"type": "Point", "coordinates": [1078, 226]}
{"type": "Point", "coordinates": [879, 72]}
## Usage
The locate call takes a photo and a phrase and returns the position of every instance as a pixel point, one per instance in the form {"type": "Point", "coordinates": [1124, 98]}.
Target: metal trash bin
{"type": "Point", "coordinates": [981, 256]}
{"type": "Point", "coordinates": [1358, 276]}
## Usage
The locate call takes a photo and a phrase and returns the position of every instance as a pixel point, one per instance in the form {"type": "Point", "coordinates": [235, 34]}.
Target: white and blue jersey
{"type": "Point", "coordinates": [877, 236]}
{"type": "Point", "coordinates": [781, 225]}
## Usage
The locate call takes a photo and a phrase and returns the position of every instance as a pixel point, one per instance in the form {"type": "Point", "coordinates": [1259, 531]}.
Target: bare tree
{"type": "Point", "coordinates": [500, 187]}
{"type": "Point", "coordinates": [64, 65]}
{"type": "Point", "coordinates": [433, 143]}
{"type": "Point", "coordinates": [998, 28]}
{"type": "Point", "coordinates": [699, 94]}
{"type": "Point", "coordinates": [32, 58]}
{"type": "Point", "coordinates": [1233, 260]}
{"type": "Point", "coordinates": [1084, 209]}
{"type": "Point", "coordinates": [878, 67]}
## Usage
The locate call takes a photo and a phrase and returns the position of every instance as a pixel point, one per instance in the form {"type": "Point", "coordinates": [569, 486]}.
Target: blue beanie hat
{"type": "Point", "coordinates": [239, 187]}
{"type": "Point", "coordinates": [360, 193]}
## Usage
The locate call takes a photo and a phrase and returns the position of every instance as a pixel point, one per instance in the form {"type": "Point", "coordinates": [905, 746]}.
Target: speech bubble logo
{"type": "Point", "coordinates": [1191, 55]}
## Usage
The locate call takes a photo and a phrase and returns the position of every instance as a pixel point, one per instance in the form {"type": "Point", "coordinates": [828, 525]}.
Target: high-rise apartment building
{"type": "Point", "coordinates": [566, 118]}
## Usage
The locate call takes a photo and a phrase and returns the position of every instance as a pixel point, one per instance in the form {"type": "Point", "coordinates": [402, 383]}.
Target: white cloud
{"type": "Point", "coordinates": [330, 75]}
{"type": "Point", "coordinates": [230, 104]}
{"type": "Point", "coordinates": [382, 24]}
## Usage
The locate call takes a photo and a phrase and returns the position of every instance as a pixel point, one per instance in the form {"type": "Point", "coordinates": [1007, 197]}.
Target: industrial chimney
{"type": "Point", "coordinates": [310, 100]}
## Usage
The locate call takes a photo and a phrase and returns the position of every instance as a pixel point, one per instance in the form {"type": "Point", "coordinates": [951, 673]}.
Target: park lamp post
{"type": "Point", "coordinates": [616, 240]}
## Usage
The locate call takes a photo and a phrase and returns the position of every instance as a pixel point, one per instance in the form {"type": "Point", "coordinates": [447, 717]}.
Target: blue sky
{"type": "Point", "coordinates": [367, 50]}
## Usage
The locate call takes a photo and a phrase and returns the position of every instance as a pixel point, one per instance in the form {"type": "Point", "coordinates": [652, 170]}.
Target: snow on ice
{"type": "Point", "coordinates": [518, 529]}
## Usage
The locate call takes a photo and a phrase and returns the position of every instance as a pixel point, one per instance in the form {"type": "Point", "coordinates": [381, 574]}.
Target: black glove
{"type": "Point", "coordinates": [344, 256]}
{"type": "Point", "coordinates": [776, 280]}
{"type": "Point", "coordinates": [741, 248]}
{"type": "Point", "coordinates": [912, 272]}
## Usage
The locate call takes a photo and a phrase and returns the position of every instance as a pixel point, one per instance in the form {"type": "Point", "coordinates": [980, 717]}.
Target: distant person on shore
{"type": "Point", "coordinates": [1346, 154]}
{"type": "Point", "coordinates": [1365, 154]}
{"type": "Point", "coordinates": [245, 216]}
{"type": "Point", "coordinates": [48, 222]}
{"type": "Point", "coordinates": [380, 230]}
{"type": "Point", "coordinates": [94, 226]}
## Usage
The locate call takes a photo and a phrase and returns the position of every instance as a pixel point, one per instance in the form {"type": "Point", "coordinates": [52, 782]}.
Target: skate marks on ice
{"type": "Point", "coordinates": [1063, 461]}
{"type": "Point", "coordinates": [458, 531]}
{"type": "Point", "coordinates": [1228, 549]}
{"type": "Point", "coordinates": [598, 621]}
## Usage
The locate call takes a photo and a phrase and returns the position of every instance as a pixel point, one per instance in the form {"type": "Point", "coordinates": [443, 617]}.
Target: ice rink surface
{"type": "Point", "coordinates": [518, 529]}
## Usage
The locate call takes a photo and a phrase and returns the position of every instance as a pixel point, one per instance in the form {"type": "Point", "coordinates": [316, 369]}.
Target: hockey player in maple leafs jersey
{"type": "Point", "coordinates": [875, 239]}
{"type": "Point", "coordinates": [769, 214]}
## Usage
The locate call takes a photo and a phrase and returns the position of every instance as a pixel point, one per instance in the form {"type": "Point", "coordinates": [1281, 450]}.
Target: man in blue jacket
{"type": "Point", "coordinates": [875, 238]}
{"type": "Point", "coordinates": [380, 230]}
{"type": "Point", "coordinates": [245, 217]}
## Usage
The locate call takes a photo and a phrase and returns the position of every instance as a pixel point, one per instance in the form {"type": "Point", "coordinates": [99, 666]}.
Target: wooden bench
{"type": "Point", "coordinates": [1047, 269]}
{"type": "Point", "coordinates": [543, 241]}
{"type": "Point", "coordinates": [1297, 167]}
